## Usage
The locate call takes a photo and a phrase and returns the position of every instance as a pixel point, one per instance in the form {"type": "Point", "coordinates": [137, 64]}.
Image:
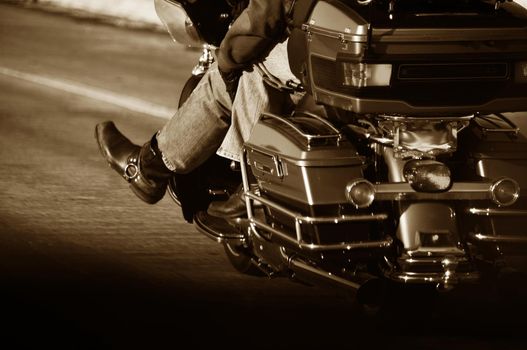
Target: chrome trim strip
{"type": "Point", "coordinates": [424, 277]}
{"type": "Point", "coordinates": [356, 37]}
{"type": "Point", "coordinates": [498, 239]}
{"type": "Point", "coordinates": [496, 212]}
{"type": "Point", "coordinates": [435, 252]}
{"type": "Point", "coordinates": [458, 191]}
{"type": "Point", "coordinates": [400, 118]}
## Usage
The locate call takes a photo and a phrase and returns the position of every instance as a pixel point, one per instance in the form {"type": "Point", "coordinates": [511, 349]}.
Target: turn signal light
{"type": "Point", "coordinates": [364, 74]}
{"type": "Point", "coordinates": [521, 72]}
{"type": "Point", "coordinates": [360, 193]}
{"type": "Point", "coordinates": [505, 191]}
{"type": "Point", "coordinates": [427, 175]}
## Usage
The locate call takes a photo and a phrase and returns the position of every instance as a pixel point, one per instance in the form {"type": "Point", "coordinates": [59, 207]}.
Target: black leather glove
{"type": "Point", "coordinates": [231, 80]}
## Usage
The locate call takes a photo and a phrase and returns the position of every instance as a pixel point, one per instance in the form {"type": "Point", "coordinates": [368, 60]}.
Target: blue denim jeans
{"type": "Point", "coordinates": [209, 122]}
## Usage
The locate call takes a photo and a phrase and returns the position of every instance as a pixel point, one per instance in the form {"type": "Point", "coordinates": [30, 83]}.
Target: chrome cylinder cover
{"type": "Point", "coordinates": [420, 138]}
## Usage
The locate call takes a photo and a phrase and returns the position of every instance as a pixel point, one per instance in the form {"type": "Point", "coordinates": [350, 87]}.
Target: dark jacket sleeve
{"type": "Point", "coordinates": [252, 35]}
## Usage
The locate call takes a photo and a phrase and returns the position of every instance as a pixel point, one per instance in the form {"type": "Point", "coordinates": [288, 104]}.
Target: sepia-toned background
{"type": "Point", "coordinates": [84, 264]}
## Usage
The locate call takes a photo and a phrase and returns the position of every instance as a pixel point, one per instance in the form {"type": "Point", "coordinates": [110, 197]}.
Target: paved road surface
{"type": "Point", "coordinates": [84, 264]}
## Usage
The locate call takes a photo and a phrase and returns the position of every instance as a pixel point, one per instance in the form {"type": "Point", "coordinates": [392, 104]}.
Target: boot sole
{"type": "Point", "coordinates": [145, 198]}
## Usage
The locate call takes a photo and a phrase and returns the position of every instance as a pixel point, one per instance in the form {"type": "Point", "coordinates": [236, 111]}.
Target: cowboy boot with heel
{"type": "Point", "coordinates": [141, 166]}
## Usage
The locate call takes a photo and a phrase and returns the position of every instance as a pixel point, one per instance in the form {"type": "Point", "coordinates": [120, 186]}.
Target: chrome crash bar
{"type": "Point", "coordinates": [498, 238]}
{"type": "Point", "coordinates": [493, 212]}
{"type": "Point", "coordinates": [411, 270]}
{"type": "Point", "coordinates": [496, 212]}
{"type": "Point", "coordinates": [444, 278]}
{"type": "Point", "coordinates": [252, 197]}
{"type": "Point", "coordinates": [299, 220]}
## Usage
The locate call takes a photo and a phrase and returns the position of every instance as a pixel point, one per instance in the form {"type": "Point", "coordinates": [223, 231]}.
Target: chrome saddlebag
{"type": "Point", "coordinates": [303, 164]}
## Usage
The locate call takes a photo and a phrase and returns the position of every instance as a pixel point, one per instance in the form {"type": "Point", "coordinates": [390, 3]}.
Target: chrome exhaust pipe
{"type": "Point", "coordinates": [368, 289]}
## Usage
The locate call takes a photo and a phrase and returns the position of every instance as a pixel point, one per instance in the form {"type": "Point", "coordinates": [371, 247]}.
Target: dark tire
{"type": "Point", "coordinates": [240, 258]}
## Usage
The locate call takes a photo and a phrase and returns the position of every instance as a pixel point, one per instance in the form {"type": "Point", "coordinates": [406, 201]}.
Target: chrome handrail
{"type": "Point", "coordinates": [322, 120]}
{"type": "Point", "coordinates": [438, 277]}
{"type": "Point", "coordinates": [498, 238]}
{"type": "Point", "coordinates": [378, 244]}
{"type": "Point", "coordinates": [496, 212]}
{"type": "Point", "coordinates": [308, 137]}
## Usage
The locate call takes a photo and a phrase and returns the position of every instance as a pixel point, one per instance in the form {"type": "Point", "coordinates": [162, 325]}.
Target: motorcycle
{"type": "Point", "coordinates": [404, 163]}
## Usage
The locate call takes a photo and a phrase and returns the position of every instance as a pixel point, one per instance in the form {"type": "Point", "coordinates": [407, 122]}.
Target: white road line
{"type": "Point", "coordinates": [130, 103]}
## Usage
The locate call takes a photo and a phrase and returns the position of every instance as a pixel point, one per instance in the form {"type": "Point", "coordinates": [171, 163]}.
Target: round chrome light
{"type": "Point", "coordinates": [504, 191]}
{"type": "Point", "coordinates": [360, 193]}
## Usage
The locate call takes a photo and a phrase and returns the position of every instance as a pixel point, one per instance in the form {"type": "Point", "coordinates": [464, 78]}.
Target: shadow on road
{"type": "Point", "coordinates": [93, 301]}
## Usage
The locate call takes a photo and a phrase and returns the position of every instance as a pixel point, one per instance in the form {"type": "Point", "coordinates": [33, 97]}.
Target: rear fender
{"type": "Point", "coordinates": [428, 227]}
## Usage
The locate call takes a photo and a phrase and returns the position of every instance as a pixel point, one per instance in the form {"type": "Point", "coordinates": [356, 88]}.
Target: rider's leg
{"type": "Point", "coordinates": [188, 139]}
{"type": "Point", "coordinates": [197, 129]}
{"type": "Point", "coordinates": [252, 98]}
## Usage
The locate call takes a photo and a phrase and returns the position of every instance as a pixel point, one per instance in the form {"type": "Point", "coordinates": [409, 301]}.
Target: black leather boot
{"type": "Point", "coordinates": [142, 167]}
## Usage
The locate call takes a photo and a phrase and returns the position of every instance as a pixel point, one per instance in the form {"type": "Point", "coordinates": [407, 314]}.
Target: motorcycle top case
{"type": "Point", "coordinates": [412, 57]}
